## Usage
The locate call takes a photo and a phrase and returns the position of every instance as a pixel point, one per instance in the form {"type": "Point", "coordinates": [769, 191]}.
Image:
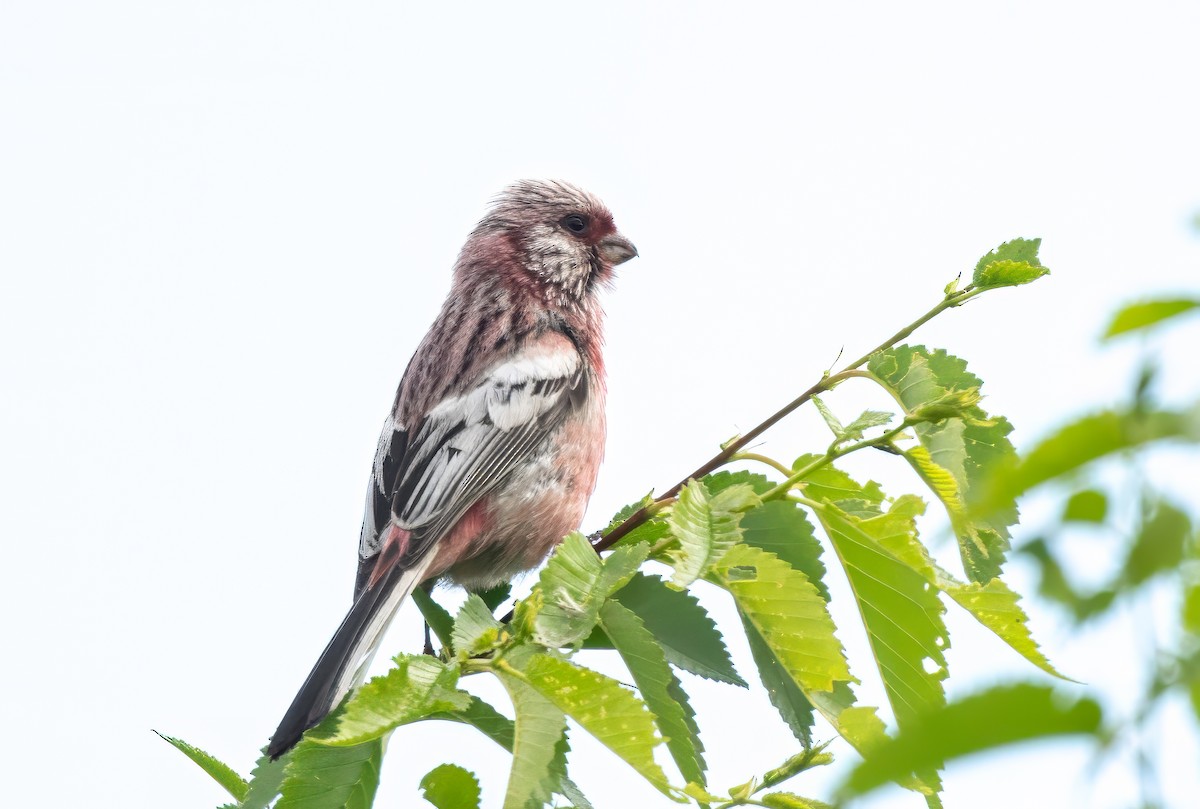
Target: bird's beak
{"type": "Point", "coordinates": [616, 249]}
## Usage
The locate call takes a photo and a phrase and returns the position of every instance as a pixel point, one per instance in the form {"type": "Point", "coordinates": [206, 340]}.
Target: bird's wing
{"type": "Point", "coordinates": [424, 478]}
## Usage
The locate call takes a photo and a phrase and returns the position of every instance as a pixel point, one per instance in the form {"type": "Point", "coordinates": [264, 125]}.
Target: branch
{"type": "Point", "coordinates": [827, 382]}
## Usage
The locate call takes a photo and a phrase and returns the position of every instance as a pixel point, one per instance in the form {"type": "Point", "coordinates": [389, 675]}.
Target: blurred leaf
{"type": "Point", "coordinates": [322, 777]}
{"type": "Point", "coordinates": [1078, 444]}
{"type": "Point", "coordinates": [1055, 586]}
{"type": "Point", "coordinates": [574, 583]}
{"type": "Point", "coordinates": [1142, 315]}
{"type": "Point", "coordinates": [1088, 505]}
{"type": "Point", "coordinates": [967, 448]}
{"type": "Point", "coordinates": [789, 800]}
{"type": "Point", "coordinates": [658, 686]}
{"type": "Point", "coordinates": [1160, 543]}
{"type": "Point", "coordinates": [419, 686]}
{"type": "Point", "coordinates": [987, 720]}
{"type": "Point", "coordinates": [222, 773]}
{"type": "Point", "coordinates": [1011, 264]}
{"type": "Point", "coordinates": [707, 526]}
{"type": "Point", "coordinates": [782, 528]}
{"type": "Point", "coordinates": [683, 628]}
{"type": "Point", "coordinates": [618, 719]}
{"type": "Point", "coordinates": [475, 628]}
{"type": "Point", "coordinates": [1191, 608]}
{"type": "Point", "coordinates": [449, 786]}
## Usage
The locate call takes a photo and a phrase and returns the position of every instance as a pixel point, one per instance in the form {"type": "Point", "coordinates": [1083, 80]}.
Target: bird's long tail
{"type": "Point", "coordinates": [343, 664]}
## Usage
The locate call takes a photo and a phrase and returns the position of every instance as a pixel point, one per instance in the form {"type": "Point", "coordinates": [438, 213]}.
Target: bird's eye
{"type": "Point", "coordinates": [575, 223]}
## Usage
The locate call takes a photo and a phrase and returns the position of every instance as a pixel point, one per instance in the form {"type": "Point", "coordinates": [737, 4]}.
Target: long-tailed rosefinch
{"type": "Point", "coordinates": [490, 452]}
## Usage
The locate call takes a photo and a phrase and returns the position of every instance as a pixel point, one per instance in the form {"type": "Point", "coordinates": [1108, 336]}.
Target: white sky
{"type": "Point", "coordinates": [225, 226]}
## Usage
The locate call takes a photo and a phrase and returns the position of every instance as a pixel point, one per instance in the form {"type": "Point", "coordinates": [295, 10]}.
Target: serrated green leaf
{"type": "Point", "coordinates": [539, 729]}
{"type": "Point", "coordinates": [789, 613]}
{"type": "Point", "coordinates": [495, 596]}
{"type": "Point", "coordinates": [658, 686]}
{"type": "Point", "coordinates": [996, 606]}
{"type": "Point", "coordinates": [865, 421]}
{"type": "Point", "coordinates": [1088, 505]}
{"type": "Point", "coordinates": [449, 786]}
{"type": "Point", "coordinates": [573, 585]}
{"type": "Point", "coordinates": [687, 635]}
{"type": "Point", "coordinates": [832, 485]}
{"type": "Point", "coordinates": [602, 707]}
{"type": "Point", "coordinates": [901, 611]}
{"type": "Point", "coordinates": [831, 421]}
{"type": "Point", "coordinates": [648, 532]}
{"type": "Point", "coordinates": [720, 481]}
{"type": "Point", "coordinates": [220, 772]}
{"type": "Point", "coordinates": [1079, 443]}
{"type": "Point", "coordinates": [794, 708]}
{"type": "Point", "coordinates": [265, 779]}
{"type": "Point", "coordinates": [782, 528]}
{"type": "Point", "coordinates": [968, 448]}
{"type": "Point", "coordinates": [475, 628]}
{"type": "Point", "coordinates": [419, 686]}
{"type": "Point", "coordinates": [980, 722]}
{"type": "Point", "coordinates": [706, 525]}
{"type": "Point", "coordinates": [790, 800]}
{"type": "Point", "coordinates": [318, 776]}
{"type": "Point", "coordinates": [1144, 314]}
{"type": "Point", "coordinates": [1011, 264]}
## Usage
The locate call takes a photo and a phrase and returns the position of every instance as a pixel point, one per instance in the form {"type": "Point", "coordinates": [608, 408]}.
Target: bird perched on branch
{"type": "Point", "coordinates": [490, 452]}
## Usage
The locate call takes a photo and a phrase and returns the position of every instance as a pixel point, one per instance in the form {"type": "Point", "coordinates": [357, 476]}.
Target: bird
{"type": "Point", "coordinates": [492, 447]}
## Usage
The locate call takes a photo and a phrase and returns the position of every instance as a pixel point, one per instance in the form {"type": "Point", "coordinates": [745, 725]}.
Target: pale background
{"type": "Point", "coordinates": [225, 226]}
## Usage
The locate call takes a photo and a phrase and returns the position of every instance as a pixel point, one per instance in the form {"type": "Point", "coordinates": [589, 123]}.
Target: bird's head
{"type": "Point", "coordinates": [564, 237]}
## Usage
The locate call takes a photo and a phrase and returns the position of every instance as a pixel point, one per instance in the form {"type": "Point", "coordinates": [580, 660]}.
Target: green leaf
{"type": "Point", "coordinates": [707, 526]}
{"type": "Point", "coordinates": [782, 528]}
{"type": "Point", "coordinates": [540, 726]}
{"type": "Point", "coordinates": [865, 421]}
{"type": "Point", "coordinates": [718, 482]}
{"type": "Point", "coordinates": [435, 615]}
{"type": "Point", "coordinates": [573, 585]}
{"type": "Point", "coordinates": [323, 777]}
{"type": "Point", "coordinates": [649, 532]}
{"type": "Point", "coordinates": [788, 612]}
{"type": "Point", "coordinates": [831, 421]}
{"type": "Point", "coordinates": [449, 786]}
{"type": "Point", "coordinates": [832, 485]}
{"type": "Point", "coordinates": [475, 628]}
{"type": "Point", "coordinates": [984, 721]}
{"type": "Point", "coordinates": [659, 688]}
{"type": "Point", "coordinates": [1078, 444]}
{"type": "Point", "coordinates": [996, 606]}
{"type": "Point", "coordinates": [687, 635]}
{"type": "Point", "coordinates": [794, 708]}
{"type": "Point", "coordinates": [1011, 264]}
{"type": "Point", "coordinates": [1160, 543]}
{"type": "Point", "coordinates": [1143, 315]}
{"type": "Point", "coordinates": [419, 686]}
{"type": "Point", "coordinates": [222, 773]}
{"type": "Point", "coordinates": [967, 448]}
{"type": "Point", "coordinates": [813, 757]}
{"type": "Point", "coordinates": [790, 800]}
{"type": "Point", "coordinates": [901, 612]}
{"type": "Point", "coordinates": [1088, 505]}
{"type": "Point", "coordinates": [495, 596]}
{"type": "Point", "coordinates": [265, 780]}
{"type": "Point", "coordinates": [618, 719]}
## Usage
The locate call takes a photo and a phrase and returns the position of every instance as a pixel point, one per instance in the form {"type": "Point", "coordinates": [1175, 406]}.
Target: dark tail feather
{"type": "Point", "coordinates": [349, 650]}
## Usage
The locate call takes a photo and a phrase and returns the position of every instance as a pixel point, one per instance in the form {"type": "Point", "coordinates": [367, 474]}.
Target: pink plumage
{"type": "Point", "coordinates": [491, 449]}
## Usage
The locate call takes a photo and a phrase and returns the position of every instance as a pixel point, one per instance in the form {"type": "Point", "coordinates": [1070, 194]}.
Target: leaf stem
{"type": "Point", "coordinates": [832, 455]}
{"type": "Point", "coordinates": [827, 382]}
